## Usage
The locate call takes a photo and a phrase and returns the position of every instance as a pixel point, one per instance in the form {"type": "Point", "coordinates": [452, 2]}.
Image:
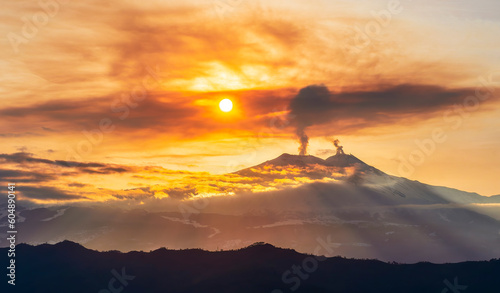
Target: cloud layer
{"type": "Point", "coordinates": [47, 181]}
{"type": "Point", "coordinates": [152, 73]}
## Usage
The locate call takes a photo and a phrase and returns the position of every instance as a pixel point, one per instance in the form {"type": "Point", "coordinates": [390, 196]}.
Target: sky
{"type": "Point", "coordinates": [107, 100]}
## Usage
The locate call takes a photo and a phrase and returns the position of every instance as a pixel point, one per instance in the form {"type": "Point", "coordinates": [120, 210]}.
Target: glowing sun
{"type": "Point", "coordinates": [226, 105]}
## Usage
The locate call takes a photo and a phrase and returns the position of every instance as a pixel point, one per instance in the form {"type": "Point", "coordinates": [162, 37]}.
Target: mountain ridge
{"type": "Point", "coordinates": [337, 160]}
{"type": "Point", "coordinates": [340, 162]}
{"type": "Point", "coordinates": [257, 268]}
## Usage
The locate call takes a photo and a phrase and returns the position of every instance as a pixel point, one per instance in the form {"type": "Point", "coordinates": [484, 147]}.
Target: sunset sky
{"type": "Point", "coordinates": [117, 99]}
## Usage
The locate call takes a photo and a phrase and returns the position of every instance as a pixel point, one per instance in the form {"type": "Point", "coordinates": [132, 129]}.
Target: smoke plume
{"type": "Point", "coordinates": [340, 149]}
{"type": "Point", "coordinates": [354, 110]}
{"type": "Point", "coordinates": [304, 141]}
{"type": "Point", "coordinates": [304, 107]}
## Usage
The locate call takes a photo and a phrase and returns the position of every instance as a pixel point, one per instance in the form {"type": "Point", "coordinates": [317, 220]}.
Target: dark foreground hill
{"type": "Point", "coordinates": [69, 267]}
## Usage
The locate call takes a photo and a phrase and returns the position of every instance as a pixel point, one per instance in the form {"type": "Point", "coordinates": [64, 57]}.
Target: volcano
{"type": "Point", "coordinates": [359, 210]}
{"type": "Point", "coordinates": [346, 164]}
{"type": "Point", "coordinates": [294, 160]}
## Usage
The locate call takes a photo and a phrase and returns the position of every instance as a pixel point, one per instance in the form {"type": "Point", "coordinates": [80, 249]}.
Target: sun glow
{"type": "Point", "coordinates": [226, 105]}
{"type": "Point", "coordinates": [218, 77]}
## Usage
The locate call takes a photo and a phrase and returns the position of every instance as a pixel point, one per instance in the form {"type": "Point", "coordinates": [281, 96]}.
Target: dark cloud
{"type": "Point", "coordinates": [25, 176]}
{"type": "Point", "coordinates": [46, 193]}
{"type": "Point", "coordinates": [87, 113]}
{"type": "Point", "coordinates": [92, 168]}
{"type": "Point", "coordinates": [316, 104]}
{"type": "Point", "coordinates": [172, 113]}
{"type": "Point", "coordinates": [77, 184]}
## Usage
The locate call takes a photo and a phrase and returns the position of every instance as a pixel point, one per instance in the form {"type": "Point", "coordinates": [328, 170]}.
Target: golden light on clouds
{"type": "Point", "coordinates": [217, 77]}
{"type": "Point", "coordinates": [259, 56]}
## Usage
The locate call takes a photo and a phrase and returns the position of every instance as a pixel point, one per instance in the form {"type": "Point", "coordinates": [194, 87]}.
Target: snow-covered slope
{"type": "Point", "coordinates": [358, 209]}
{"type": "Point", "coordinates": [346, 168]}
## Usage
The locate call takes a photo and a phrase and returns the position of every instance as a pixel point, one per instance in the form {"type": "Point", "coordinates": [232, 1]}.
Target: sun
{"type": "Point", "coordinates": [226, 105]}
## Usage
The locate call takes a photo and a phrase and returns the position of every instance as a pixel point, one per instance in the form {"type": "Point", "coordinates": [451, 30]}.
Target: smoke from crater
{"type": "Point", "coordinates": [340, 149]}
{"type": "Point", "coordinates": [304, 141]}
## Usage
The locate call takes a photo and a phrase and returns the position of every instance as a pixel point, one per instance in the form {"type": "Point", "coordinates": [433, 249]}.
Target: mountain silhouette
{"type": "Point", "coordinates": [68, 267]}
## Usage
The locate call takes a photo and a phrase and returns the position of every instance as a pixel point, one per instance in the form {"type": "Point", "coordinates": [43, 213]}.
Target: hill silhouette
{"type": "Point", "coordinates": [70, 267]}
